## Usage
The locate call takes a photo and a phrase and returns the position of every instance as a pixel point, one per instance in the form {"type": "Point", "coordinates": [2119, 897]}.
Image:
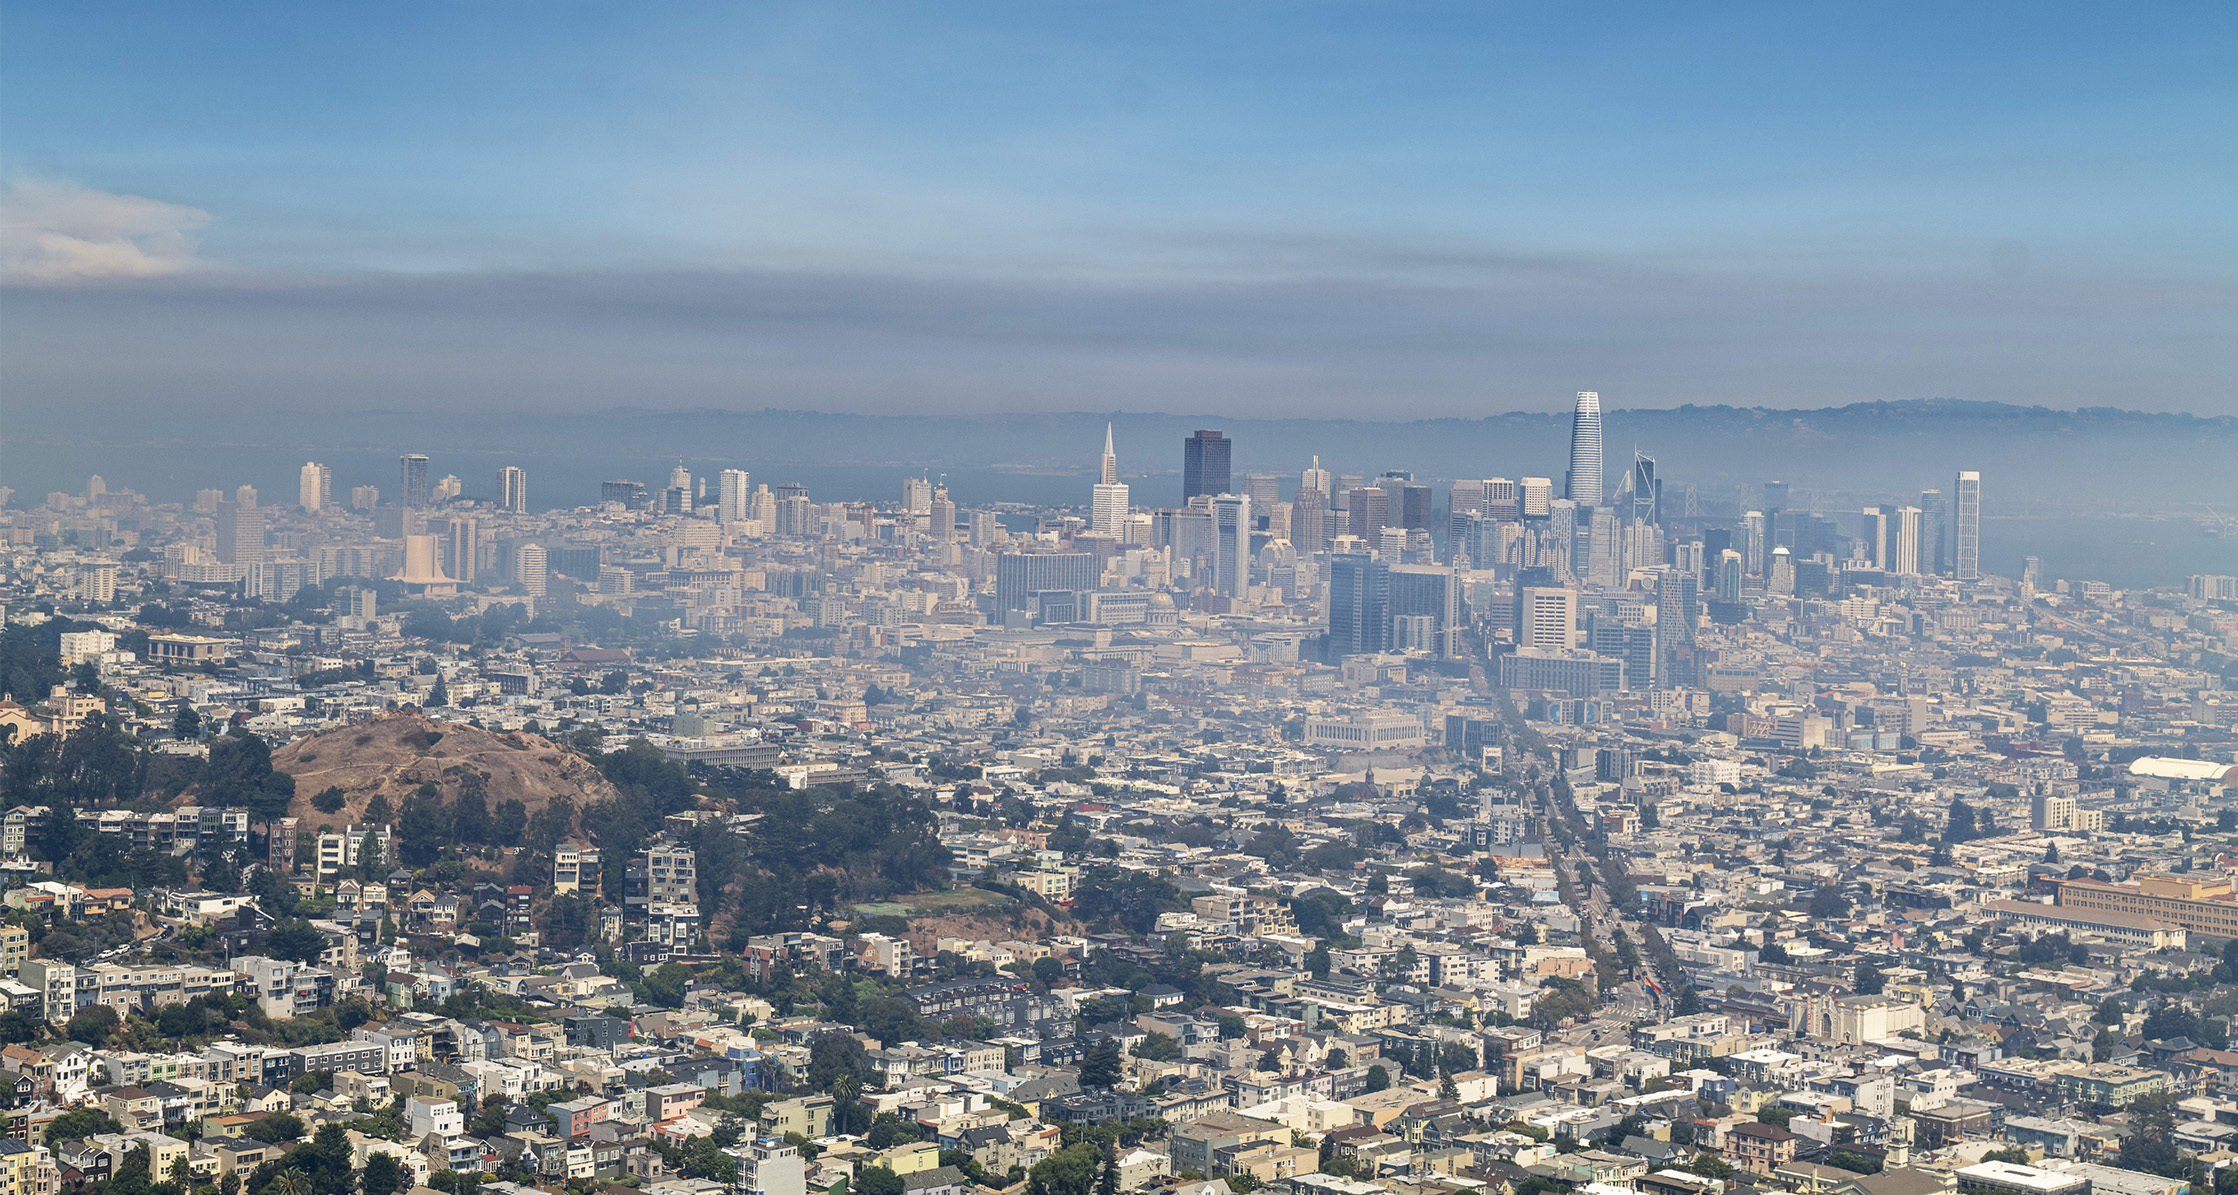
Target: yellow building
{"type": "Point", "coordinates": [2202, 905]}
{"type": "Point", "coordinates": [15, 947]}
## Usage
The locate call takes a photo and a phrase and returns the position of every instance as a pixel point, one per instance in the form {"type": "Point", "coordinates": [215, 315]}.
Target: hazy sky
{"type": "Point", "coordinates": [1418, 209]}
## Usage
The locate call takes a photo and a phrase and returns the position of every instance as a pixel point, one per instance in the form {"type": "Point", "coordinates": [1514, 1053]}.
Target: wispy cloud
{"type": "Point", "coordinates": [56, 233]}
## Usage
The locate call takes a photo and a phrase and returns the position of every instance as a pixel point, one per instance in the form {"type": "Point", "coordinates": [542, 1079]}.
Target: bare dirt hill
{"type": "Point", "coordinates": [396, 753]}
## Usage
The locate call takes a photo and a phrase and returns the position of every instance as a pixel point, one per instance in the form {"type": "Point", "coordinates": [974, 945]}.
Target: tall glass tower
{"type": "Point", "coordinates": [1966, 527]}
{"type": "Point", "coordinates": [1585, 487]}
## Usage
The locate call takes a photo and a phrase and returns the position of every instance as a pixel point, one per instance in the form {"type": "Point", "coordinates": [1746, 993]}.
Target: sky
{"type": "Point", "coordinates": [1388, 209]}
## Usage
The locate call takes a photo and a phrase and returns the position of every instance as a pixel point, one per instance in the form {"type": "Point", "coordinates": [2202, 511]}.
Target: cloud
{"type": "Point", "coordinates": [59, 233]}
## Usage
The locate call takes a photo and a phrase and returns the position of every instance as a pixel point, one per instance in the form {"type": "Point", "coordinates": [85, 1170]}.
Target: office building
{"type": "Point", "coordinates": [1873, 534]}
{"type": "Point", "coordinates": [1231, 554]}
{"type": "Point", "coordinates": [1564, 670]}
{"type": "Point", "coordinates": [1370, 510]}
{"type": "Point", "coordinates": [1966, 527]}
{"type": "Point", "coordinates": [1546, 618]}
{"type": "Point", "coordinates": [1631, 642]}
{"type": "Point", "coordinates": [529, 569]}
{"type": "Point", "coordinates": [1359, 605]}
{"type": "Point", "coordinates": [412, 476]}
{"type": "Point", "coordinates": [1646, 505]}
{"type": "Point", "coordinates": [1905, 536]}
{"type": "Point", "coordinates": [512, 489]}
{"type": "Point", "coordinates": [1430, 598]}
{"type": "Point", "coordinates": [631, 495]}
{"type": "Point", "coordinates": [1316, 479]}
{"type": "Point", "coordinates": [1020, 575]}
{"type": "Point", "coordinates": [1584, 483]}
{"type": "Point", "coordinates": [1204, 465]}
{"type": "Point", "coordinates": [315, 490]}
{"type": "Point", "coordinates": [1756, 544]}
{"type": "Point", "coordinates": [1934, 532]}
{"type": "Point", "coordinates": [1678, 606]}
{"type": "Point", "coordinates": [942, 517]}
{"type": "Point", "coordinates": [240, 534]}
{"type": "Point", "coordinates": [916, 495]}
{"type": "Point", "coordinates": [364, 497]}
{"type": "Point", "coordinates": [1108, 503]}
{"type": "Point", "coordinates": [1535, 497]}
{"type": "Point", "coordinates": [734, 496]}
{"type": "Point", "coordinates": [1728, 577]}
{"type": "Point", "coordinates": [462, 550]}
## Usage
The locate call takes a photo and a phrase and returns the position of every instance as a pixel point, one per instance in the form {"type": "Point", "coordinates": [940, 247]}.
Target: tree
{"type": "Point", "coordinates": [439, 696]}
{"type": "Point", "coordinates": [423, 829]}
{"type": "Point", "coordinates": [79, 1124]}
{"type": "Point", "coordinates": [239, 772]}
{"type": "Point", "coordinates": [186, 724]}
{"type": "Point", "coordinates": [1270, 1061]}
{"type": "Point", "coordinates": [2104, 1046]}
{"type": "Point", "coordinates": [876, 1180]}
{"type": "Point", "coordinates": [2150, 1145]}
{"type": "Point", "coordinates": [1099, 1065]}
{"type": "Point", "coordinates": [381, 1176]}
{"type": "Point", "coordinates": [1828, 904]}
{"type": "Point", "coordinates": [93, 1026]}
{"type": "Point", "coordinates": [278, 1127]}
{"type": "Point", "coordinates": [1158, 1047]}
{"type": "Point", "coordinates": [1379, 1079]}
{"type": "Point", "coordinates": [1317, 962]}
{"type": "Point", "coordinates": [1107, 1180]}
{"type": "Point", "coordinates": [510, 823]}
{"type": "Point", "coordinates": [296, 940]}
{"type": "Point", "coordinates": [1866, 980]}
{"type": "Point", "coordinates": [1047, 971]}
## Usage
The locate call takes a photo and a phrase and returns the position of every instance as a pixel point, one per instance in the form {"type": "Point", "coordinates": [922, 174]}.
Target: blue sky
{"type": "Point", "coordinates": [1440, 207]}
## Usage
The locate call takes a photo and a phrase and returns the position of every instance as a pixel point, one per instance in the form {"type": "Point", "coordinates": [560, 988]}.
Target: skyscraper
{"type": "Point", "coordinates": [512, 490]}
{"type": "Point", "coordinates": [1647, 490]}
{"type": "Point", "coordinates": [1875, 536]}
{"type": "Point", "coordinates": [1231, 544]}
{"type": "Point", "coordinates": [1546, 618]}
{"type": "Point", "coordinates": [412, 471]}
{"type": "Point", "coordinates": [1204, 465]}
{"type": "Point", "coordinates": [462, 549]}
{"type": "Point", "coordinates": [315, 492]}
{"type": "Point", "coordinates": [1359, 605]}
{"type": "Point", "coordinates": [1315, 478]}
{"type": "Point", "coordinates": [734, 496]}
{"type": "Point", "coordinates": [1535, 497]}
{"type": "Point", "coordinates": [240, 534]}
{"type": "Point", "coordinates": [1966, 527]}
{"type": "Point", "coordinates": [1370, 510]}
{"type": "Point", "coordinates": [530, 569]}
{"type": "Point", "coordinates": [1904, 537]}
{"type": "Point", "coordinates": [1585, 487]}
{"type": "Point", "coordinates": [1108, 503]}
{"type": "Point", "coordinates": [1934, 532]}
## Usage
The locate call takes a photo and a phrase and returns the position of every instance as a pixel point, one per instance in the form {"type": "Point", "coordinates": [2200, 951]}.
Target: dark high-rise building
{"type": "Point", "coordinates": [1359, 605]}
{"type": "Point", "coordinates": [1204, 465]}
{"type": "Point", "coordinates": [412, 471]}
{"type": "Point", "coordinates": [1934, 532]}
{"type": "Point", "coordinates": [631, 494]}
{"type": "Point", "coordinates": [1647, 490]}
{"type": "Point", "coordinates": [1370, 513]}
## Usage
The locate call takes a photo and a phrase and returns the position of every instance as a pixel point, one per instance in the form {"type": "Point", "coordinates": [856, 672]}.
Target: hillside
{"type": "Point", "coordinates": [396, 753]}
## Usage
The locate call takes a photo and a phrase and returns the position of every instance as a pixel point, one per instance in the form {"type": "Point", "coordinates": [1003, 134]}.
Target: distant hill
{"type": "Point", "coordinates": [396, 753]}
